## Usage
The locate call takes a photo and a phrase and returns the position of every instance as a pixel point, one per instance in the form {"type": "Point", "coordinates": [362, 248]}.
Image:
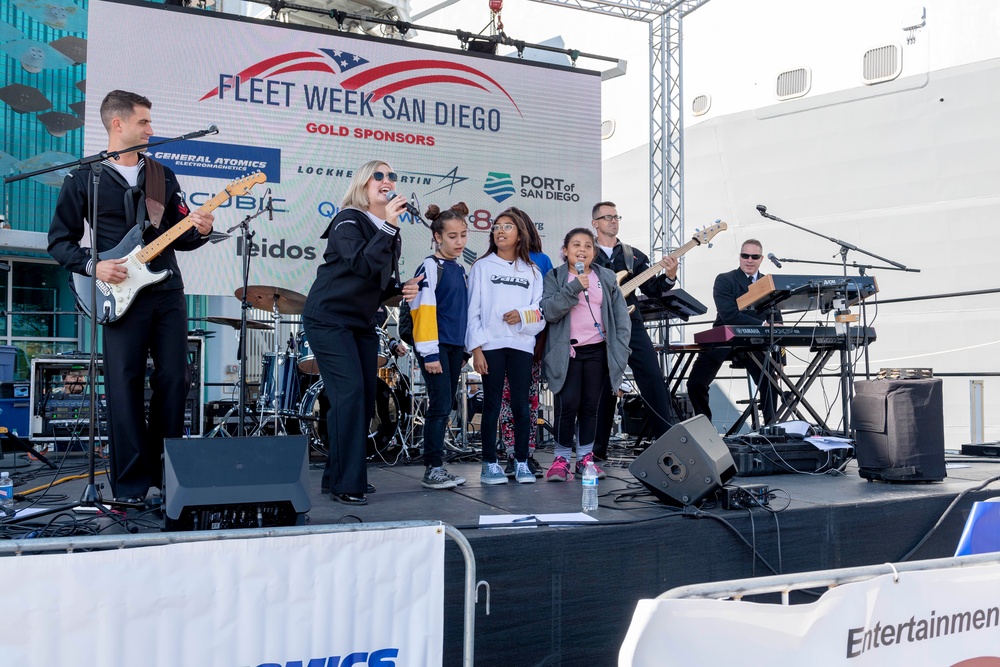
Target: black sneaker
{"type": "Point", "coordinates": [535, 468]}
{"type": "Point", "coordinates": [510, 469]}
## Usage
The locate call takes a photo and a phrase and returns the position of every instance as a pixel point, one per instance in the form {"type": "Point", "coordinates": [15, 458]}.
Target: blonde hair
{"type": "Point", "coordinates": [356, 195]}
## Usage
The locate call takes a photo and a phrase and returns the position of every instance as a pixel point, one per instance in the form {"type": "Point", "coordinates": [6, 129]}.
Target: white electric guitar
{"type": "Point", "coordinates": [114, 300]}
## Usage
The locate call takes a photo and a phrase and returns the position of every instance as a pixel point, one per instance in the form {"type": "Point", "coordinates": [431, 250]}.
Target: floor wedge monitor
{"type": "Point", "coordinates": [687, 464]}
{"type": "Point", "coordinates": [222, 483]}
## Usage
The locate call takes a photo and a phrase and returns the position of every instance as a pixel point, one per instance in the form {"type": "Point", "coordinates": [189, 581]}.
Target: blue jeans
{"type": "Point", "coordinates": [441, 389]}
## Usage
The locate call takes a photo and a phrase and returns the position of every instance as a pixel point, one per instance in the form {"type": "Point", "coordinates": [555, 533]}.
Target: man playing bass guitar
{"type": "Point", "coordinates": [643, 361]}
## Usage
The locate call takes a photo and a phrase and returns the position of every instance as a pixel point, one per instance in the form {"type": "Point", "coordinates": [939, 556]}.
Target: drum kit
{"type": "Point", "coordinates": [291, 398]}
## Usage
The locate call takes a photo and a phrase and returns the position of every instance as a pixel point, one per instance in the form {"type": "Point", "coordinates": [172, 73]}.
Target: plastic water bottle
{"type": "Point", "coordinates": [6, 491]}
{"type": "Point", "coordinates": [590, 487]}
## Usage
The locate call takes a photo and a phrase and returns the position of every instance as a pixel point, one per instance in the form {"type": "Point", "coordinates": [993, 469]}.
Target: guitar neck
{"type": "Point", "coordinates": [631, 285]}
{"type": "Point", "coordinates": [163, 241]}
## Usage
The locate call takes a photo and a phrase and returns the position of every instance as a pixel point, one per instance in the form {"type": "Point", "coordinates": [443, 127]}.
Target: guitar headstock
{"type": "Point", "coordinates": [241, 186]}
{"type": "Point", "coordinates": [702, 237]}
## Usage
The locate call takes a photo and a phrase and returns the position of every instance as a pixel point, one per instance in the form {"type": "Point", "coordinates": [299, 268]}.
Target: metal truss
{"type": "Point", "coordinates": [666, 139]}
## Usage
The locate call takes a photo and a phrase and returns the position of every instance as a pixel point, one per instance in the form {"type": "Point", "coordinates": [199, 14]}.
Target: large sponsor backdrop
{"type": "Point", "coordinates": [307, 107]}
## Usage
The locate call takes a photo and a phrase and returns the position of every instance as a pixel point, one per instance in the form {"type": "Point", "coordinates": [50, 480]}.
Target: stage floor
{"type": "Point", "coordinates": [565, 595]}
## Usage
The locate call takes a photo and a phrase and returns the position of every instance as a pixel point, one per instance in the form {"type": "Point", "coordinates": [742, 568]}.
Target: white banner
{"type": "Point", "coordinates": [361, 598]}
{"type": "Point", "coordinates": [308, 107]}
{"type": "Point", "coordinates": [934, 619]}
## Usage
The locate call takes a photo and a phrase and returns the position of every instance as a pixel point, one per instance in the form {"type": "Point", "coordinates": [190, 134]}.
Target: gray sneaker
{"type": "Point", "coordinates": [492, 474]}
{"type": "Point", "coordinates": [459, 480]}
{"type": "Point", "coordinates": [523, 474]}
{"type": "Point", "coordinates": [437, 478]}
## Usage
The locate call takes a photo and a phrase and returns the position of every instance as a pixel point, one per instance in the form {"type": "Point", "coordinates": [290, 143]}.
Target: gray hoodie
{"type": "Point", "coordinates": [559, 296]}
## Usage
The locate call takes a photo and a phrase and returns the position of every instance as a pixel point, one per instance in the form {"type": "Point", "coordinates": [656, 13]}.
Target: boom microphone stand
{"type": "Point", "coordinates": [846, 369]}
{"type": "Point", "coordinates": [90, 496]}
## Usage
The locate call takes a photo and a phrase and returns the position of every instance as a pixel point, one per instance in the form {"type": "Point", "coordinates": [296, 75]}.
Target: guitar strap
{"type": "Point", "coordinates": [629, 257]}
{"type": "Point", "coordinates": [156, 191]}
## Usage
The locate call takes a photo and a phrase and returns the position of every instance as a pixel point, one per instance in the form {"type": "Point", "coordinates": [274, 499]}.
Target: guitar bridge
{"type": "Point", "coordinates": [104, 288]}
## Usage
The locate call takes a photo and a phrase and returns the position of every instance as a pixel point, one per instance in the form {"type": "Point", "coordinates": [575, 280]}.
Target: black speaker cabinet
{"type": "Point", "coordinates": [687, 464]}
{"type": "Point", "coordinates": [222, 483]}
{"type": "Point", "coordinates": [899, 430]}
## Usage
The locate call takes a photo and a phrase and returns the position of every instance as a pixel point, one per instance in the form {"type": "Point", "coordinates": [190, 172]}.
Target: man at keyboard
{"type": "Point", "coordinates": [728, 288]}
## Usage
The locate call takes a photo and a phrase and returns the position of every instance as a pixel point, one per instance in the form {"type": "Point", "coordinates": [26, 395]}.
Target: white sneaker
{"type": "Point", "coordinates": [523, 474]}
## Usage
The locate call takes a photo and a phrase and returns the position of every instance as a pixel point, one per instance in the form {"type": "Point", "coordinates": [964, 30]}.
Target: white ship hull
{"type": "Point", "coordinates": [908, 169]}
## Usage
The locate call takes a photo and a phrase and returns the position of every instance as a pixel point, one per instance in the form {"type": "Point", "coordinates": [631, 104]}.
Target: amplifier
{"type": "Point", "coordinates": [60, 396]}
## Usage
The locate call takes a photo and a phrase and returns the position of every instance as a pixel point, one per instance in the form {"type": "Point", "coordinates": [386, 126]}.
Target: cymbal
{"type": "Point", "coordinates": [266, 297]}
{"type": "Point", "coordinates": [234, 322]}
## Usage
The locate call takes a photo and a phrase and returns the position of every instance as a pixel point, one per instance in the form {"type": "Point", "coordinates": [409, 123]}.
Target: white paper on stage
{"type": "Point", "coordinates": [241, 603]}
{"type": "Point", "coordinates": [308, 107]}
{"type": "Point", "coordinates": [926, 619]}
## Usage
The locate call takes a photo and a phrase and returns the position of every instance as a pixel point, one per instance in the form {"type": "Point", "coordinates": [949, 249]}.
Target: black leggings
{"type": "Point", "coordinates": [515, 365]}
{"type": "Point", "coordinates": [586, 381]}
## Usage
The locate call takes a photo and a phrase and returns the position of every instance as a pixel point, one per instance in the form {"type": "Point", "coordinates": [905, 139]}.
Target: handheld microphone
{"type": "Point", "coordinates": [761, 209]}
{"type": "Point", "coordinates": [579, 271]}
{"type": "Point", "coordinates": [410, 208]}
{"type": "Point", "coordinates": [774, 260]}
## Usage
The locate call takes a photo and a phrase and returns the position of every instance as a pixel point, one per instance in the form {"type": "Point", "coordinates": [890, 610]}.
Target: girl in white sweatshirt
{"type": "Point", "coordinates": [505, 288]}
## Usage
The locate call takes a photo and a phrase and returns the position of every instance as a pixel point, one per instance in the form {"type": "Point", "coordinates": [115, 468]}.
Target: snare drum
{"type": "Point", "coordinates": [307, 360]}
{"type": "Point", "coordinates": [288, 383]}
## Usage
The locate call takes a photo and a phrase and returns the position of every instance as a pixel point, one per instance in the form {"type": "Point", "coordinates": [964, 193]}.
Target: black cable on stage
{"type": "Point", "coordinates": [944, 515]}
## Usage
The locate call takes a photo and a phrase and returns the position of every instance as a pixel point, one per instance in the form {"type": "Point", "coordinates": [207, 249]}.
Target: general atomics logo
{"type": "Point", "coordinates": [500, 186]}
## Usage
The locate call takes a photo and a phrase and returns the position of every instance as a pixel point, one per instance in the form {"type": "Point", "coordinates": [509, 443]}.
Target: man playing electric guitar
{"type": "Point", "coordinates": [642, 360]}
{"type": "Point", "coordinates": [134, 190]}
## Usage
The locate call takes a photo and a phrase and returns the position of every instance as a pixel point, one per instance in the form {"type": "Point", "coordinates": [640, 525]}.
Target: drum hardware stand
{"type": "Point", "coordinates": [220, 428]}
{"type": "Point", "coordinates": [407, 440]}
{"type": "Point", "coordinates": [279, 390]}
{"type": "Point", "coordinates": [460, 450]}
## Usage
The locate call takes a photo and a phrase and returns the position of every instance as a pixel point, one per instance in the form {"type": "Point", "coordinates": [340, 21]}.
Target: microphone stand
{"type": "Point", "coordinates": [846, 369]}
{"type": "Point", "coordinates": [90, 496]}
{"type": "Point", "coordinates": [247, 236]}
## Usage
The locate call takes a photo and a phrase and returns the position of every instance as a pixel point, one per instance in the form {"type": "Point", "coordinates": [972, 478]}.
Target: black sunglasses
{"type": "Point", "coordinates": [746, 255]}
{"type": "Point", "coordinates": [378, 176]}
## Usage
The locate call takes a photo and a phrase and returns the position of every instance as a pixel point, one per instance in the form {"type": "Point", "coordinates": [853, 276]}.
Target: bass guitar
{"type": "Point", "coordinates": [700, 238]}
{"type": "Point", "coordinates": [114, 300]}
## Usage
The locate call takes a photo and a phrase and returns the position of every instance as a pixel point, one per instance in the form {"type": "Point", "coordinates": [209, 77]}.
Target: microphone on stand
{"type": "Point", "coordinates": [774, 260]}
{"type": "Point", "coordinates": [761, 209]}
{"type": "Point", "coordinates": [579, 271]}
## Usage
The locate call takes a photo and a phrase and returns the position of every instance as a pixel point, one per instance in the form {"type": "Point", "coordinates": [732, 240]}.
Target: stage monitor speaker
{"type": "Point", "coordinates": [223, 483]}
{"type": "Point", "coordinates": [687, 464]}
{"type": "Point", "coordinates": [899, 430]}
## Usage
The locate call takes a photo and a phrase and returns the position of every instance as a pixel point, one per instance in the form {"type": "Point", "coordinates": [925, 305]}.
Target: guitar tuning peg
{"type": "Point", "coordinates": [710, 245]}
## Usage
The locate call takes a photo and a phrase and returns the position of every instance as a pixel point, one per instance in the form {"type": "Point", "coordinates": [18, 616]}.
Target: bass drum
{"type": "Point", "coordinates": [381, 430]}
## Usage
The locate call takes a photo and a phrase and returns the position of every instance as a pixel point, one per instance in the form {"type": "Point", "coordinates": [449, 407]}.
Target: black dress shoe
{"type": "Point", "coordinates": [350, 498]}
{"type": "Point", "coordinates": [324, 489]}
